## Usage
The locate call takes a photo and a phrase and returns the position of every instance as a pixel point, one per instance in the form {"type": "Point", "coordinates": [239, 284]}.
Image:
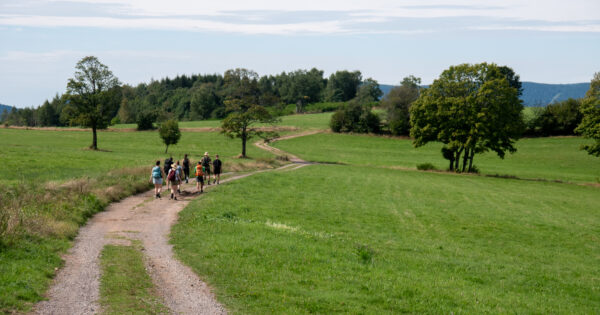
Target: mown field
{"type": "Point", "coordinates": [57, 155]}
{"type": "Point", "coordinates": [554, 158]}
{"type": "Point", "coordinates": [349, 239]}
{"type": "Point", "coordinates": [305, 121]}
{"type": "Point", "coordinates": [51, 184]}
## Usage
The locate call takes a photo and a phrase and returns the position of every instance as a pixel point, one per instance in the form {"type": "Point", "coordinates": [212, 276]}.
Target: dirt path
{"type": "Point", "coordinates": [75, 289]}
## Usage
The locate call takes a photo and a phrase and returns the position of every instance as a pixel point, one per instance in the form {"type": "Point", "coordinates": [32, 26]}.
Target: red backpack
{"type": "Point", "coordinates": [171, 175]}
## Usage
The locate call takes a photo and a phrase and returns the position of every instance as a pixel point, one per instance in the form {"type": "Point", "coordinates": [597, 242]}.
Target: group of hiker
{"type": "Point", "coordinates": [176, 172]}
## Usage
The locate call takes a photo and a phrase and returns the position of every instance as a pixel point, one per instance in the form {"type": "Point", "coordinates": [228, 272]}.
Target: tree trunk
{"type": "Point", "coordinates": [244, 138]}
{"type": "Point", "coordinates": [465, 159]}
{"type": "Point", "coordinates": [94, 138]}
{"type": "Point", "coordinates": [457, 160]}
{"type": "Point", "coordinates": [451, 164]}
{"type": "Point", "coordinates": [166, 149]}
{"type": "Point", "coordinates": [471, 160]}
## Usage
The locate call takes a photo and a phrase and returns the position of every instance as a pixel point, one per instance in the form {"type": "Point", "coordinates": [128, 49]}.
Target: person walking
{"type": "Point", "coordinates": [217, 169]}
{"type": "Point", "coordinates": [157, 179]}
{"type": "Point", "coordinates": [172, 177]}
{"type": "Point", "coordinates": [199, 178]}
{"type": "Point", "coordinates": [186, 168]}
{"type": "Point", "coordinates": [206, 164]}
{"type": "Point", "coordinates": [167, 168]}
{"type": "Point", "coordinates": [180, 175]}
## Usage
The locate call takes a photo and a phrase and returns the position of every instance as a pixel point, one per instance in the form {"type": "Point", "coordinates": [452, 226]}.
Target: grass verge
{"type": "Point", "coordinates": [125, 287]}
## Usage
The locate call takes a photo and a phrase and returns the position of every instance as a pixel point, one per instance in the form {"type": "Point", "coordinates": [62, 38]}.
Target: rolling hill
{"type": "Point", "coordinates": [538, 94]}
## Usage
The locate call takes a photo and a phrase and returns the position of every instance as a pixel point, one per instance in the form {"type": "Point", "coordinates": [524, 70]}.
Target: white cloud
{"type": "Point", "coordinates": [347, 16]}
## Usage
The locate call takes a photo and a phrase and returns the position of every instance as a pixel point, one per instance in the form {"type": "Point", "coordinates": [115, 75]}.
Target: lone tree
{"type": "Point", "coordinates": [470, 109]}
{"type": "Point", "coordinates": [590, 124]}
{"type": "Point", "coordinates": [93, 95]}
{"type": "Point", "coordinates": [241, 102]}
{"type": "Point", "coordinates": [397, 104]}
{"type": "Point", "coordinates": [169, 133]}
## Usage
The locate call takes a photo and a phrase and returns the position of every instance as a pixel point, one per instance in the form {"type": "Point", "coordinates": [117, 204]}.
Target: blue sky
{"type": "Point", "coordinates": [42, 40]}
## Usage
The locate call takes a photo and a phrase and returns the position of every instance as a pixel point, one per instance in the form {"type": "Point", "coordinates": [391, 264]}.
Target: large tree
{"type": "Point", "coordinates": [169, 133]}
{"type": "Point", "coordinates": [342, 86]}
{"type": "Point", "coordinates": [590, 124]}
{"type": "Point", "coordinates": [301, 87]}
{"type": "Point", "coordinates": [470, 109]}
{"type": "Point", "coordinates": [397, 104]}
{"type": "Point", "coordinates": [94, 96]}
{"type": "Point", "coordinates": [242, 104]}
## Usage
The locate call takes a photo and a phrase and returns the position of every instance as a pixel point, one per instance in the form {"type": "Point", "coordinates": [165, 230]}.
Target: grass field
{"type": "Point", "coordinates": [58, 155]}
{"type": "Point", "coordinates": [304, 121]}
{"type": "Point", "coordinates": [51, 183]}
{"type": "Point", "coordinates": [548, 158]}
{"type": "Point", "coordinates": [346, 239]}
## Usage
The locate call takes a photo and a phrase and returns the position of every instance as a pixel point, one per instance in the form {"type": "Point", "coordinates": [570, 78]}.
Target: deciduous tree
{"type": "Point", "coordinates": [590, 124]}
{"type": "Point", "coordinates": [169, 133]}
{"type": "Point", "coordinates": [94, 96]}
{"type": "Point", "coordinates": [242, 125]}
{"type": "Point", "coordinates": [471, 109]}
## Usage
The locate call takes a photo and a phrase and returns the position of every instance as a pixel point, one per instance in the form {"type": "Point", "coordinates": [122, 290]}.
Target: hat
{"type": "Point", "coordinates": [205, 153]}
{"type": "Point", "coordinates": [173, 166]}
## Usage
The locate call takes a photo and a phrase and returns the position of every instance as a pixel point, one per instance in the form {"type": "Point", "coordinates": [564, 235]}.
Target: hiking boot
{"type": "Point", "coordinates": [179, 191]}
{"type": "Point", "coordinates": [171, 196]}
{"type": "Point", "coordinates": [175, 198]}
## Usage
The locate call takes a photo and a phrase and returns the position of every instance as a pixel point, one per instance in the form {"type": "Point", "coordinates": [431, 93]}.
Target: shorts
{"type": "Point", "coordinates": [200, 179]}
{"type": "Point", "coordinates": [206, 170]}
{"type": "Point", "coordinates": [157, 181]}
{"type": "Point", "coordinates": [174, 182]}
{"type": "Point", "coordinates": [217, 171]}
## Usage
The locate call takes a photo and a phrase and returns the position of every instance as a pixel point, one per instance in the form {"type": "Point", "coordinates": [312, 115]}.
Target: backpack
{"type": "Point", "coordinates": [171, 175]}
{"type": "Point", "coordinates": [205, 161]}
{"type": "Point", "coordinates": [199, 171]}
{"type": "Point", "coordinates": [156, 172]}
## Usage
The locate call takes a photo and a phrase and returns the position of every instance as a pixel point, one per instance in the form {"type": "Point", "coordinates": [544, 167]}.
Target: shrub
{"type": "Point", "coordinates": [145, 120]}
{"type": "Point", "coordinates": [426, 167]}
{"type": "Point", "coordinates": [355, 118]}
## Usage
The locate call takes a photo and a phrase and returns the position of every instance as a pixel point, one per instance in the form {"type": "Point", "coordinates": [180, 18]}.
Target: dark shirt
{"type": "Point", "coordinates": [206, 161]}
{"type": "Point", "coordinates": [217, 164]}
{"type": "Point", "coordinates": [168, 163]}
{"type": "Point", "coordinates": [186, 163]}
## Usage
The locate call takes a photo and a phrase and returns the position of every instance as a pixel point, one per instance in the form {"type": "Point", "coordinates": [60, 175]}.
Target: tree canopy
{"type": "Point", "coordinates": [470, 109]}
{"type": "Point", "coordinates": [590, 124]}
{"type": "Point", "coordinates": [397, 104]}
{"type": "Point", "coordinates": [169, 133]}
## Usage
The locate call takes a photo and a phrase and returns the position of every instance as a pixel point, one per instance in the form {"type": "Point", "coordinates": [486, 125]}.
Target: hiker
{"type": "Point", "coordinates": [199, 178]}
{"type": "Point", "coordinates": [167, 168]}
{"type": "Point", "coordinates": [186, 168]}
{"type": "Point", "coordinates": [206, 164]}
{"type": "Point", "coordinates": [179, 173]}
{"type": "Point", "coordinates": [157, 179]}
{"type": "Point", "coordinates": [172, 177]}
{"type": "Point", "coordinates": [217, 169]}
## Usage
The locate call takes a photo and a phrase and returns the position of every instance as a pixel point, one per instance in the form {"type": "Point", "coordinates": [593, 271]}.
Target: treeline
{"type": "Point", "coordinates": [199, 97]}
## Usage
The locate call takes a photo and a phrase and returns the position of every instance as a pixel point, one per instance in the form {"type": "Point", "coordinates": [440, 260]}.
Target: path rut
{"type": "Point", "coordinates": [75, 289]}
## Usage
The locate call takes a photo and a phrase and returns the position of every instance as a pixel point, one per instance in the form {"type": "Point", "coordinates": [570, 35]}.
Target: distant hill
{"type": "Point", "coordinates": [3, 107]}
{"type": "Point", "coordinates": [538, 94]}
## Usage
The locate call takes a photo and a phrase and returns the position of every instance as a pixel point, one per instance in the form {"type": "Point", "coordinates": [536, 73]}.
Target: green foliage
{"type": "Point", "coordinates": [145, 120]}
{"type": "Point", "coordinates": [431, 243]}
{"type": "Point", "coordinates": [590, 124]}
{"type": "Point", "coordinates": [94, 94]}
{"type": "Point", "coordinates": [355, 118]}
{"type": "Point", "coordinates": [301, 87]}
{"type": "Point", "coordinates": [369, 91]}
{"type": "Point", "coordinates": [397, 104]}
{"type": "Point", "coordinates": [471, 109]}
{"type": "Point", "coordinates": [169, 133]}
{"type": "Point", "coordinates": [560, 118]}
{"type": "Point", "coordinates": [125, 287]}
{"type": "Point", "coordinates": [242, 125]}
{"type": "Point", "coordinates": [342, 86]}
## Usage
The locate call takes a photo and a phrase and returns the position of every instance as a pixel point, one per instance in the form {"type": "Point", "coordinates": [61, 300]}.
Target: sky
{"type": "Point", "coordinates": [551, 41]}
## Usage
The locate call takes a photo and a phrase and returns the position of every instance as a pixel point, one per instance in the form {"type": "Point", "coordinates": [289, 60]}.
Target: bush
{"type": "Point", "coordinates": [355, 118]}
{"type": "Point", "coordinates": [145, 120]}
{"type": "Point", "coordinates": [426, 167]}
{"type": "Point", "coordinates": [555, 119]}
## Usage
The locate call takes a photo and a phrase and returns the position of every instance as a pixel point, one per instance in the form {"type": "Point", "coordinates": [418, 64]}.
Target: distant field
{"type": "Point", "coordinates": [548, 158]}
{"type": "Point", "coordinates": [58, 155]}
{"type": "Point", "coordinates": [344, 239]}
{"type": "Point", "coordinates": [304, 121]}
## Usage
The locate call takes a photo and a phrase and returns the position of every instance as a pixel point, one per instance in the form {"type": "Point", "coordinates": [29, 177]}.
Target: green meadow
{"type": "Point", "coordinates": [365, 240]}
{"type": "Point", "coordinates": [553, 158]}
{"type": "Point", "coordinates": [371, 235]}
